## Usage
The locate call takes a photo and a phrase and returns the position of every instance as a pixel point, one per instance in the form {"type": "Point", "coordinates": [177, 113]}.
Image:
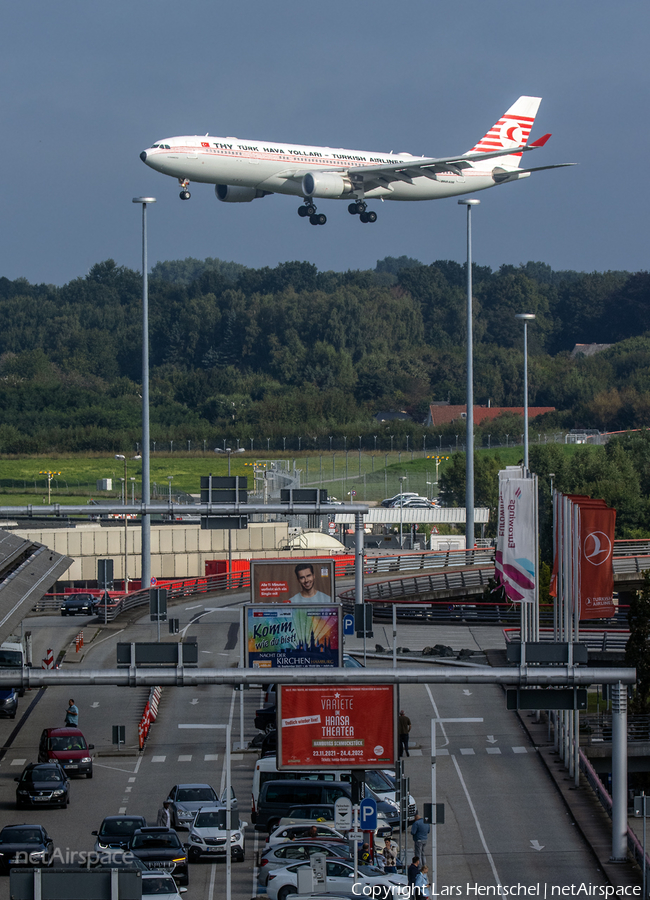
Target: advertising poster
{"type": "Point", "coordinates": [292, 581]}
{"type": "Point", "coordinates": [296, 636]}
{"type": "Point", "coordinates": [515, 558]}
{"type": "Point", "coordinates": [337, 726]}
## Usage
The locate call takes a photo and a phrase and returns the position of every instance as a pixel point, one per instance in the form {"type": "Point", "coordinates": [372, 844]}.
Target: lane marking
{"type": "Point", "coordinates": [476, 821]}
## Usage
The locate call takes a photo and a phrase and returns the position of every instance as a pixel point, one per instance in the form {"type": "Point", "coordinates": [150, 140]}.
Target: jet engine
{"type": "Point", "coordinates": [325, 184]}
{"type": "Point", "coordinates": [229, 193]}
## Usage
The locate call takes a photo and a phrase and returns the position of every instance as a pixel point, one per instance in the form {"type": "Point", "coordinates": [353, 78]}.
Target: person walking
{"type": "Point", "coordinates": [421, 886]}
{"type": "Point", "coordinates": [420, 832]}
{"type": "Point", "coordinates": [412, 873]}
{"type": "Point", "coordinates": [163, 819]}
{"type": "Point", "coordinates": [403, 729]}
{"type": "Point", "coordinates": [390, 856]}
{"type": "Point", "coordinates": [71, 715]}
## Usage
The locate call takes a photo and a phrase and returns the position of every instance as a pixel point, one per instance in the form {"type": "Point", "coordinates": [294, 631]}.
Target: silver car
{"type": "Point", "coordinates": [187, 799]}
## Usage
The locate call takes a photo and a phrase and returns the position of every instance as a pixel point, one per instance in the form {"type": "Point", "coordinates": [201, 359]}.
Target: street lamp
{"type": "Point", "coordinates": [469, 459]}
{"type": "Point", "coordinates": [146, 486]}
{"type": "Point", "coordinates": [525, 318]}
{"type": "Point", "coordinates": [50, 476]}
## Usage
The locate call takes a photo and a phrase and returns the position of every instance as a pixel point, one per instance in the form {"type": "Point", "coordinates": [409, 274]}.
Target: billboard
{"type": "Point", "coordinates": [298, 635]}
{"type": "Point", "coordinates": [337, 726]}
{"type": "Point", "coordinates": [292, 581]}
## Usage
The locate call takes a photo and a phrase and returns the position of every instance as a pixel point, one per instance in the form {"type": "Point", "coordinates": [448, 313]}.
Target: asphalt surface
{"type": "Point", "coordinates": [505, 822]}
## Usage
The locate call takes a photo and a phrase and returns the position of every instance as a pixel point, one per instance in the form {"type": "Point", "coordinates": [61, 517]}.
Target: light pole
{"type": "Point", "coordinates": [525, 318]}
{"type": "Point", "coordinates": [146, 480]}
{"type": "Point", "coordinates": [469, 459]}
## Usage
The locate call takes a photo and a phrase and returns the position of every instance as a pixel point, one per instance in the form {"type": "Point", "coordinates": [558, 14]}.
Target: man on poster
{"type": "Point", "coordinates": [307, 580]}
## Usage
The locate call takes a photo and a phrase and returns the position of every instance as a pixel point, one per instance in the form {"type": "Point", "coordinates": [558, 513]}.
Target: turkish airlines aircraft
{"type": "Point", "coordinates": [244, 170]}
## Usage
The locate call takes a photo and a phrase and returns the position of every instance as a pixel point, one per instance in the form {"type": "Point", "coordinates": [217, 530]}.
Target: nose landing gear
{"type": "Point", "coordinates": [184, 194]}
{"type": "Point", "coordinates": [309, 211]}
{"type": "Point", "coordinates": [359, 208]}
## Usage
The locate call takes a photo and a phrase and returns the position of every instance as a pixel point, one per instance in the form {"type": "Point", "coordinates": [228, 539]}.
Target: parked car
{"type": "Point", "coordinates": [339, 877]}
{"type": "Point", "coordinates": [160, 885]}
{"type": "Point", "coordinates": [42, 784]}
{"type": "Point", "coordinates": [161, 848]}
{"type": "Point", "coordinates": [31, 842]}
{"type": "Point", "coordinates": [293, 851]}
{"type": "Point", "coordinates": [9, 703]}
{"type": "Point", "coordinates": [68, 747]}
{"type": "Point", "coordinates": [323, 814]}
{"type": "Point", "coordinates": [390, 500]}
{"type": "Point", "coordinates": [115, 832]}
{"type": "Point", "coordinates": [208, 834]}
{"type": "Point", "coordinates": [284, 833]}
{"type": "Point", "coordinates": [78, 604]}
{"type": "Point", "coordinates": [187, 799]}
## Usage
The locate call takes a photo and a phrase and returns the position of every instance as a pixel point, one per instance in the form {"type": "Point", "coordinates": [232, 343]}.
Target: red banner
{"type": "Point", "coordinates": [596, 571]}
{"type": "Point", "coordinates": [338, 726]}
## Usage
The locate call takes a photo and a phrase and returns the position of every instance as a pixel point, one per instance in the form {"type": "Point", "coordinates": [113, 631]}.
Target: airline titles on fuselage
{"type": "Point", "coordinates": [313, 154]}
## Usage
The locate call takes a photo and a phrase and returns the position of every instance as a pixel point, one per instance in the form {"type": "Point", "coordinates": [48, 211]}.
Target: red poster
{"type": "Point", "coordinates": [596, 570]}
{"type": "Point", "coordinates": [338, 726]}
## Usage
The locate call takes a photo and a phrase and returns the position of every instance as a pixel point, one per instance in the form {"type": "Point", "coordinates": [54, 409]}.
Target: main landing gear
{"type": "Point", "coordinates": [309, 211]}
{"type": "Point", "coordinates": [184, 194]}
{"type": "Point", "coordinates": [360, 209]}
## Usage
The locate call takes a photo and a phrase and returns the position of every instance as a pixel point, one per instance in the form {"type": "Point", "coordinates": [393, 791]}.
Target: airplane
{"type": "Point", "coordinates": [245, 170]}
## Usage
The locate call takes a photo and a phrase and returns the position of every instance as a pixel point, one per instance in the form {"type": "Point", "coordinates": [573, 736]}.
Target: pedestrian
{"type": "Point", "coordinates": [390, 856]}
{"type": "Point", "coordinates": [71, 715]}
{"type": "Point", "coordinates": [421, 887]}
{"type": "Point", "coordinates": [420, 831]}
{"type": "Point", "coordinates": [163, 818]}
{"type": "Point", "coordinates": [412, 872]}
{"type": "Point", "coordinates": [403, 728]}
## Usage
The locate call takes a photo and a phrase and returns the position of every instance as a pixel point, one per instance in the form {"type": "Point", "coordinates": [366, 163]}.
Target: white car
{"type": "Point", "coordinates": [339, 878]}
{"type": "Point", "coordinates": [161, 885]}
{"type": "Point", "coordinates": [208, 834]}
{"type": "Point", "coordinates": [285, 833]}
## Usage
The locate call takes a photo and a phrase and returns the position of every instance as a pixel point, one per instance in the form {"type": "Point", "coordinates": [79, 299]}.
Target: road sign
{"type": "Point", "coordinates": [546, 698]}
{"type": "Point", "coordinates": [368, 814]}
{"type": "Point", "coordinates": [343, 813]}
{"type": "Point", "coordinates": [348, 624]}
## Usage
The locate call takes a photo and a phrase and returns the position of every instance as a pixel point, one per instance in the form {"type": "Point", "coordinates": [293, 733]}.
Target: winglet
{"type": "Point", "coordinates": [540, 141]}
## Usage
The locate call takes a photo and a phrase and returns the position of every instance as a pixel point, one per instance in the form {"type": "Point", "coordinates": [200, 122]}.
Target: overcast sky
{"type": "Point", "coordinates": [88, 85]}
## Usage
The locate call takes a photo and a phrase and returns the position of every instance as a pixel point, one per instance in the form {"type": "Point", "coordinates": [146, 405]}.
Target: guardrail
{"type": "Point", "coordinates": [633, 844]}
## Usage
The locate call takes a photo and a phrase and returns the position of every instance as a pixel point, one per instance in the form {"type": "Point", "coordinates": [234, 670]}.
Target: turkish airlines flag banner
{"type": "Point", "coordinates": [596, 570]}
{"type": "Point", "coordinates": [350, 726]}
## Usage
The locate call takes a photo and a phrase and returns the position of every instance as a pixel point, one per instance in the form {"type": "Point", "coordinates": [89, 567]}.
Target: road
{"type": "Point", "coordinates": [504, 821]}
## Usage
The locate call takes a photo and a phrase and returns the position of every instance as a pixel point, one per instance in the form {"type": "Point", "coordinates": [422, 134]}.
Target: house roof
{"type": "Point", "coordinates": [445, 415]}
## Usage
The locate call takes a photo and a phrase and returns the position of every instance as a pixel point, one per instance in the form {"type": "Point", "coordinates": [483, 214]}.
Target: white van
{"type": "Point", "coordinates": [266, 770]}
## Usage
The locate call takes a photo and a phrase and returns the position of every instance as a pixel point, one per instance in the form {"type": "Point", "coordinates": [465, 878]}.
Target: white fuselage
{"type": "Point", "coordinates": [279, 168]}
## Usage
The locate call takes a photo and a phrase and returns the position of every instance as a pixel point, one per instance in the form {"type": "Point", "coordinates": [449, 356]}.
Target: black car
{"type": "Point", "coordinates": [82, 604]}
{"type": "Point", "coordinates": [25, 845]}
{"type": "Point", "coordinates": [42, 784]}
{"type": "Point", "coordinates": [161, 848]}
{"type": "Point", "coordinates": [115, 832]}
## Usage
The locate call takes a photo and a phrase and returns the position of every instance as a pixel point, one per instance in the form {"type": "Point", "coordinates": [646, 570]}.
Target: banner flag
{"type": "Point", "coordinates": [515, 560]}
{"type": "Point", "coordinates": [597, 524]}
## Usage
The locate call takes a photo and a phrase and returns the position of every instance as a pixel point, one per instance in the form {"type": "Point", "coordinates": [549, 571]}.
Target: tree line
{"type": "Point", "coordinates": [262, 353]}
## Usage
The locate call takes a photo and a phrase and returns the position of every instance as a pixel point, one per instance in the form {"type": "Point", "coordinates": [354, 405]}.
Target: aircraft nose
{"type": "Point", "coordinates": [143, 156]}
